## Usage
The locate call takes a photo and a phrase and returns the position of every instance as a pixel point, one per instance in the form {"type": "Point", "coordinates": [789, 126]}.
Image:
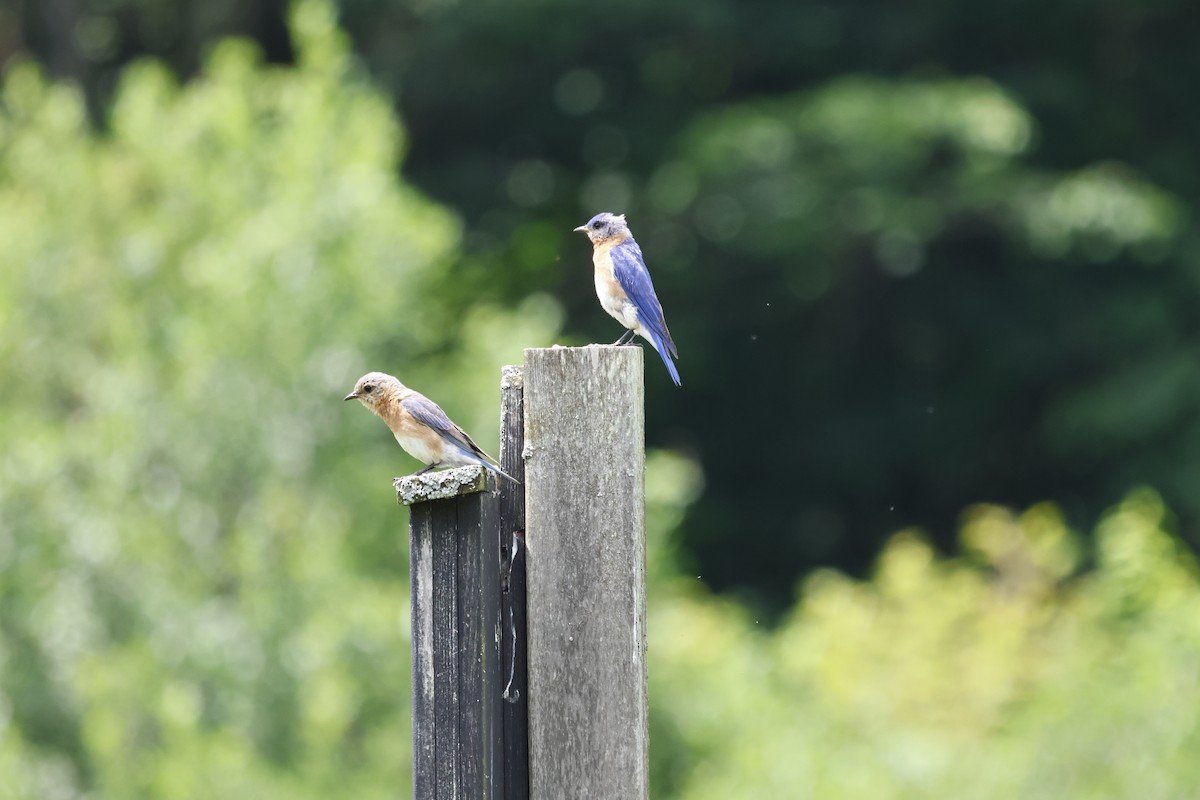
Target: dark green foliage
{"type": "Point", "coordinates": [915, 258]}
{"type": "Point", "coordinates": [907, 268]}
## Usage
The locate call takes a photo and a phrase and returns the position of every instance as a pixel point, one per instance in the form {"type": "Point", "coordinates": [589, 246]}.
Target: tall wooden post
{"type": "Point", "coordinates": [585, 531]}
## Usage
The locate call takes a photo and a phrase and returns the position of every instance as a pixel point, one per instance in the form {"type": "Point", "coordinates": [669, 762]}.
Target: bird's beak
{"type": "Point", "coordinates": [351, 396]}
{"type": "Point", "coordinates": [582, 229]}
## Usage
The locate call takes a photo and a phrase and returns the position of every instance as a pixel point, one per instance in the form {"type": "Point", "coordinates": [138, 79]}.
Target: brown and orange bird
{"type": "Point", "coordinates": [420, 425]}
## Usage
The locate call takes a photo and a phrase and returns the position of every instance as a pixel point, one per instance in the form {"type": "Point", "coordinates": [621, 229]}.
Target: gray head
{"type": "Point", "coordinates": [373, 387]}
{"type": "Point", "coordinates": [604, 226]}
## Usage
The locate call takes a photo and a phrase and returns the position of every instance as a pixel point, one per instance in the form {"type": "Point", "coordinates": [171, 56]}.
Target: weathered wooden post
{"type": "Point", "coordinates": [454, 564]}
{"type": "Point", "coordinates": [573, 538]}
{"type": "Point", "coordinates": [512, 548]}
{"type": "Point", "coordinates": [585, 529]}
{"type": "Point", "coordinates": [467, 602]}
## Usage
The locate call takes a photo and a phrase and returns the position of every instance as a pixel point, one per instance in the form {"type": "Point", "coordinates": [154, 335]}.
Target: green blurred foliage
{"type": "Point", "coordinates": [201, 566]}
{"type": "Point", "coordinates": [928, 319]}
{"type": "Point", "coordinates": [204, 589]}
{"type": "Point", "coordinates": [950, 253]}
{"type": "Point", "coordinates": [996, 675]}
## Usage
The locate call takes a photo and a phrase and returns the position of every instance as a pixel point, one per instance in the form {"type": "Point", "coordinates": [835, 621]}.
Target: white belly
{"type": "Point", "coordinates": [613, 300]}
{"type": "Point", "coordinates": [420, 448]}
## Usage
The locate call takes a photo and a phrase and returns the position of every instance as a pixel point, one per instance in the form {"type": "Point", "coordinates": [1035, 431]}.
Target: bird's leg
{"type": "Point", "coordinates": [426, 469]}
{"type": "Point", "coordinates": [625, 337]}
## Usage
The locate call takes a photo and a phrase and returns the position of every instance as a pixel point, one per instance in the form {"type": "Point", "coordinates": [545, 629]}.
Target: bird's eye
{"type": "Point", "coordinates": [597, 225]}
{"type": "Point", "coordinates": [368, 389]}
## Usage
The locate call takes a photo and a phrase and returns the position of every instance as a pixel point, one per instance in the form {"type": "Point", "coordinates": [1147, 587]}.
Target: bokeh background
{"type": "Point", "coordinates": [921, 517]}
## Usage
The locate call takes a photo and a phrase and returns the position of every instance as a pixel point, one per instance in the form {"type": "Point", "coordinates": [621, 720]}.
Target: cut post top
{"type": "Point", "coordinates": [443, 484]}
{"type": "Point", "coordinates": [512, 376]}
{"type": "Point", "coordinates": [585, 351]}
{"type": "Point", "coordinates": [585, 370]}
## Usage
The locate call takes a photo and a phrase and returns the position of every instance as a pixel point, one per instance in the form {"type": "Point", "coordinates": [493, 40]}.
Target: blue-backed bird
{"type": "Point", "coordinates": [420, 425]}
{"type": "Point", "coordinates": [624, 287]}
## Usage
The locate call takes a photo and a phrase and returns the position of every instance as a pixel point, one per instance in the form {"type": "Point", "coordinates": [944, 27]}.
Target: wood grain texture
{"type": "Point", "coordinates": [586, 561]}
{"type": "Point", "coordinates": [420, 556]}
{"type": "Point", "coordinates": [456, 623]}
{"type": "Point", "coordinates": [512, 582]}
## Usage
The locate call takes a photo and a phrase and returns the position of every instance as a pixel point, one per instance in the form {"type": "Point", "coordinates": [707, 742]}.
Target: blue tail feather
{"type": "Point", "coordinates": [483, 462]}
{"type": "Point", "coordinates": [661, 347]}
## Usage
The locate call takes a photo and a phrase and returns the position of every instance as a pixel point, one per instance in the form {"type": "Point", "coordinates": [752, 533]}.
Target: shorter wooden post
{"type": "Point", "coordinates": [456, 626]}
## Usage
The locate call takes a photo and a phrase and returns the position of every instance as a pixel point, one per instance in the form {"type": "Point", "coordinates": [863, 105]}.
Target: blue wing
{"type": "Point", "coordinates": [630, 271]}
{"type": "Point", "coordinates": [429, 413]}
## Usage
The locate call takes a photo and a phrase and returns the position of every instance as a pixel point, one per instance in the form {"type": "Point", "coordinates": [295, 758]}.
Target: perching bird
{"type": "Point", "coordinates": [420, 425]}
{"type": "Point", "coordinates": [624, 287]}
